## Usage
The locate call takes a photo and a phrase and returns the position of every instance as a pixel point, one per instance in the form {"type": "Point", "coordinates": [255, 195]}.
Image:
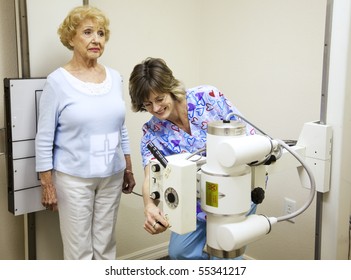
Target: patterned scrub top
{"type": "Point", "coordinates": [205, 104]}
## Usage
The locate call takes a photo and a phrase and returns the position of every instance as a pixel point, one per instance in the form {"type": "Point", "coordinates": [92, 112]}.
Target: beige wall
{"type": "Point", "coordinates": [266, 56]}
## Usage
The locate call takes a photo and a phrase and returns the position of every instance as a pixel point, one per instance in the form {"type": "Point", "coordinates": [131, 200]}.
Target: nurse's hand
{"type": "Point", "coordinates": [155, 222]}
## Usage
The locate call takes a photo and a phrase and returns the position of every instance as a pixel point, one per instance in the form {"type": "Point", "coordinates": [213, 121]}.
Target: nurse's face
{"type": "Point", "coordinates": [161, 105]}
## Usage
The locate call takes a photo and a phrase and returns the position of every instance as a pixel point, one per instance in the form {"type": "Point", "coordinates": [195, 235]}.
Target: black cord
{"type": "Point", "coordinates": [137, 194]}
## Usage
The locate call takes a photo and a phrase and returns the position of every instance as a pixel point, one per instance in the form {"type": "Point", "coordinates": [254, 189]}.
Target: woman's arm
{"type": "Point", "coordinates": [155, 221]}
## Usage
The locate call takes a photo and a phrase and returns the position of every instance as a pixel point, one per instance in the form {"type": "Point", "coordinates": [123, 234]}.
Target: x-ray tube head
{"type": "Point", "coordinates": [228, 146]}
{"type": "Point", "coordinates": [243, 150]}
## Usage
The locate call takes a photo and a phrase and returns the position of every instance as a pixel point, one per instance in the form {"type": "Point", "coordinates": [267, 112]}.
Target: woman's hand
{"type": "Point", "coordinates": [128, 182]}
{"type": "Point", "coordinates": [49, 197]}
{"type": "Point", "coordinates": [155, 222]}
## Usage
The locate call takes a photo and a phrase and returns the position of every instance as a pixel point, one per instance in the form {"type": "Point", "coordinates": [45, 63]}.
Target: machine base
{"type": "Point", "coordinates": [225, 254]}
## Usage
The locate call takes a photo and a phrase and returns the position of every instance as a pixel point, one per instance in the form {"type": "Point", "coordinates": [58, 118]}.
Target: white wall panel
{"type": "Point", "coordinates": [46, 52]}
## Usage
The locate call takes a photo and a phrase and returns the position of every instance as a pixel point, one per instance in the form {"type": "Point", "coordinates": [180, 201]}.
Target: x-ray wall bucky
{"type": "Point", "coordinates": [21, 101]}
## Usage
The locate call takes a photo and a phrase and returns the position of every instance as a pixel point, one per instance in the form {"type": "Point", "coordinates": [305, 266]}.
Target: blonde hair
{"type": "Point", "coordinates": [68, 28]}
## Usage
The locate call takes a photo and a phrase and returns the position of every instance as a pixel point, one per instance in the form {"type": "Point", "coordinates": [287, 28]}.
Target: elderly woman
{"type": "Point", "coordinates": [178, 124]}
{"type": "Point", "coordinates": [82, 144]}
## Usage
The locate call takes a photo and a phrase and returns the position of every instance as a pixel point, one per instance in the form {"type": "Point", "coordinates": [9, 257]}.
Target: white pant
{"type": "Point", "coordinates": [88, 213]}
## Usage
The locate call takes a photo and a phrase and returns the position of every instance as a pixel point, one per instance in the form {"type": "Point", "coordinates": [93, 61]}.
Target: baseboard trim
{"type": "Point", "coordinates": [156, 252]}
{"type": "Point", "coordinates": [152, 253]}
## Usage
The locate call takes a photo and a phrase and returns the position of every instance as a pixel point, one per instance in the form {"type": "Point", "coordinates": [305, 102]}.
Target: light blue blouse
{"type": "Point", "coordinates": [81, 129]}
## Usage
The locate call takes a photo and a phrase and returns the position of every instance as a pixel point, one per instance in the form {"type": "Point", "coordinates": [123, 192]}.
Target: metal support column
{"type": "Point", "coordinates": [323, 119]}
